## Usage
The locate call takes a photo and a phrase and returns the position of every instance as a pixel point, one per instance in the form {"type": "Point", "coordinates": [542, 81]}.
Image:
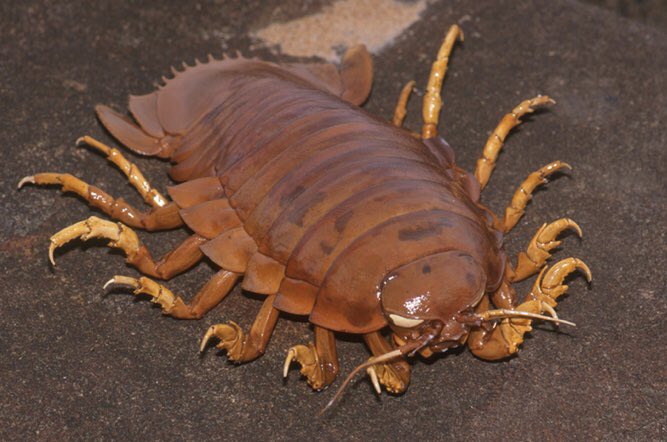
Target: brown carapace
{"type": "Point", "coordinates": [334, 214]}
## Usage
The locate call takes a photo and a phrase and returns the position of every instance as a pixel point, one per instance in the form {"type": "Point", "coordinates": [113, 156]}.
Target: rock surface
{"type": "Point", "coordinates": [77, 364]}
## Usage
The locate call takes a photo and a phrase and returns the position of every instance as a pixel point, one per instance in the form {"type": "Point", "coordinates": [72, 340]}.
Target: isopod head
{"type": "Point", "coordinates": [429, 295]}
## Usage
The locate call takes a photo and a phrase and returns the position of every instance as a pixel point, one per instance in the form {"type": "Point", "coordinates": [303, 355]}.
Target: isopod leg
{"type": "Point", "coordinates": [432, 103]}
{"type": "Point", "coordinates": [505, 337]}
{"type": "Point", "coordinates": [131, 171]}
{"type": "Point", "coordinates": [159, 218]}
{"type": "Point", "coordinates": [208, 297]}
{"type": "Point", "coordinates": [523, 194]}
{"type": "Point", "coordinates": [395, 375]}
{"type": "Point", "coordinates": [505, 296]}
{"type": "Point", "coordinates": [243, 347]}
{"type": "Point", "coordinates": [537, 252]}
{"type": "Point", "coordinates": [163, 216]}
{"type": "Point", "coordinates": [319, 361]}
{"type": "Point", "coordinates": [122, 237]}
{"type": "Point", "coordinates": [487, 162]}
{"type": "Point", "coordinates": [400, 110]}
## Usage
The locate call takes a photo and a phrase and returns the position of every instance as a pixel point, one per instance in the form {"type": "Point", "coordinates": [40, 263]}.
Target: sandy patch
{"type": "Point", "coordinates": [376, 23]}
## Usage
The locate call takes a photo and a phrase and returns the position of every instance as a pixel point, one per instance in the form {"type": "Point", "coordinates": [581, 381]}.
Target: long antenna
{"type": "Point", "coordinates": [400, 351]}
{"type": "Point", "coordinates": [506, 313]}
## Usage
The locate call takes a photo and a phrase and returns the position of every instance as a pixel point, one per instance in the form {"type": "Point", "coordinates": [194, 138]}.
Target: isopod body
{"type": "Point", "coordinates": [329, 211]}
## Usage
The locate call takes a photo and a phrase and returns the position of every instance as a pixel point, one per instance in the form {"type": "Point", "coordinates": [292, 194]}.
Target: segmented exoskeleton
{"type": "Point", "coordinates": [330, 212]}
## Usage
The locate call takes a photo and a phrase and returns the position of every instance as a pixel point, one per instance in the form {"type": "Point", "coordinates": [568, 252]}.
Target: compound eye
{"type": "Point", "coordinates": [404, 322]}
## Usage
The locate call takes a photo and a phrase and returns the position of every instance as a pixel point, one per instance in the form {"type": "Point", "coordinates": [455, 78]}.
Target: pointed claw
{"type": "Point", "coordinates": [528, 106]}
{"type": "Point", "coordinates": [549, 309]}
{"type": "Point", "coordinates": [537, 253]}
{"type": "Point", "coordinates": [127, 281]}
{"type": "Point", "coordinates": [231, 339]}
{"type": "Point", "coordinates": [541, 100]}
{"type": "Point", "coordinates": [553, 167]}
{"type": "Point", "coordinates": [573, 225]}
{"type": "Point", "coordinates": [159, 294]}
{"type": "Point", "coordinates": [523, 194]}
{"type": "Point", "coordinates": [79, 230]}
{"type": "Point", "coordinates": [52, 248]}
{"type": "Point", "coordinates": [308, 359]}
{"type": "Point", "coordinates": [88, 141]}
{"type": "Point", "coordinates": [549, 284]}
{"type": "Point", "coordinates": [206, 338]}
{"type": "Point", "coordinates": [108, 283]}
{"type": "Point", "coordinates": [291, 354]}
{"type": "Point", "coordinates": [587, 272]}
{"type": "Point", "coordinates": [67, 182]}
{"type": "Point", "coordinates": [549, 232]}
{"type": "Point", "coordinates": [559, 271]}
{"type": "Point", "coordinates": [120, 236]}
{"type": "Point", "coordinates": [30, 179]}
{"type": "Point", "coordinates": [374, 379]}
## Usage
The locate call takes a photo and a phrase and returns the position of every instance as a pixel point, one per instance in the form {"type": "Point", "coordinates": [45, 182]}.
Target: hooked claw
{"type": "Point", "coordinates": [231, 339]}
{"type": "Point", "coordinates": [122, 280]}
{"type": "Point", "coordinates": [545, 238]}
{"type": "Point", "coordinates": [527, 106]}
{"type": "Point", "coordinates": [523, 194]}
{"type": "Point", "coordinates": [508, 335]}
{"type": "Point", "coordinates": [385, 374]}
{"type": "Point", "coordinates": [159, 293]}
{"type": "Point", "coordinates": [374, 379]}
{"type": "Point", "coordinates": [121, 236]}
{"type": "Point", "coordinates": [549, 285]}
{"type": "Point", "coordinates": [30, 179]}
{"type": "Point", "coordinates": [540, 246]}
{"type": "Point", "coordinates": [309, 360]}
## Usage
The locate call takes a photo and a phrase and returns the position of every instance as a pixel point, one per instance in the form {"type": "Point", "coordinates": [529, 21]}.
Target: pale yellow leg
{"type": "Point", "coordinates": [124, 238]}
{"type": "Point", "coordinates": [432, 100]}
{"type": "Point", "coordinates": [394, 375]}
{"type": "Point", "coordinates": [158, 218]}
{"type": "Point", "coordinates": [120, 236]}
{"type": "Point", "coordinates": [319, 361]}
{"type": "Point", "coordinates": [508, 334]}
{"type": "Point", "coordinates": [163, 215]}
{"type": "Point", "coordinates": [537, 253]}
{"type": "Point", "coordinates": [242, 347]}
{"type": "Point", "coordinates": [400, 110]}
{"type": "Point", "coordinates": [523, 194]}
{"type": "Point", "coordinates": [131, 171]}
{"type": "Point", "coordinates": [215, 290]}
{"type": "Point", "coordinates": [487, 161]}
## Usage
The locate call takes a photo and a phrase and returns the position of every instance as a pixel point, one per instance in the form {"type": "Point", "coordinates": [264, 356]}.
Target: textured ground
{"type": "Point", "coordinates": [77, 364]}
